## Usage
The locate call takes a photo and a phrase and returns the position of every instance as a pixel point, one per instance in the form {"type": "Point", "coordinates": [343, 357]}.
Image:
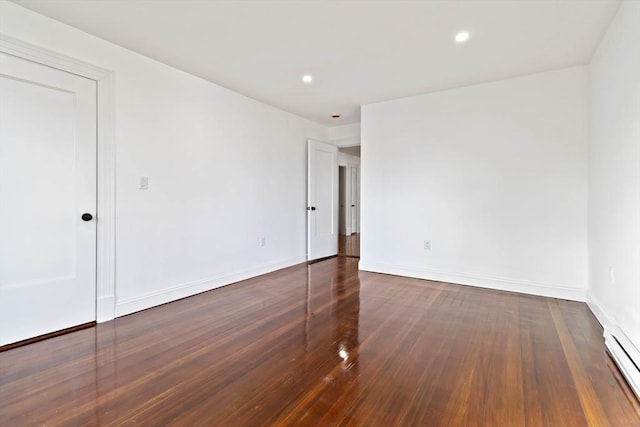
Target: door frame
{"type": "Point", "coordinates": [105, 196]}
{"type": "Point", "coordinates": [349, 161]}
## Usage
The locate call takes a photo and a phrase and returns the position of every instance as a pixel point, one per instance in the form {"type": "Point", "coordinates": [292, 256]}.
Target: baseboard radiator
{"type": "Point", "coordinates": [625, 354]}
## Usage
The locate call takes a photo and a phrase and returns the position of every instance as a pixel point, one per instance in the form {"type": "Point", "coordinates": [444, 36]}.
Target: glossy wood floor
{"type": "Point", "coordinates": [324, 345]}
{"type": "Point", "coordinates": [349, 245]}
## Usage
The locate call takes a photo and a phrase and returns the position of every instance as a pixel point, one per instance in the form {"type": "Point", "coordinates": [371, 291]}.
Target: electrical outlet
{"type": "Point", "coordinates": [612, 276]}
{"type": "Point", "coordinates": [427, 245]}
{"type": "Point", "coordinates": [263, 241]}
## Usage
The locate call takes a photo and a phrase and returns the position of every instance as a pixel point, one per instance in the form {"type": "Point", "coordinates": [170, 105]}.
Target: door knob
{"type": "Point", "coordinates": [86, 217]}
{"type": "Point", "coordinates": [311, 208]}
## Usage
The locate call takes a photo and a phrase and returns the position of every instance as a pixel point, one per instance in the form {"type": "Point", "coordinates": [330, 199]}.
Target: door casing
{"type": "Point", "coordinates": [105, 212]}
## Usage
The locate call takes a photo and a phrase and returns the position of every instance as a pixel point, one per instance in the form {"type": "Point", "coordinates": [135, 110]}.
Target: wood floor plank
{"type": "Point", "coordinates": [326, 345]}
{"type": "Point", "coordinates": [349, 246]}
{"type": "Point", "coordinates": [591, 404]}
{"type": "Point", "coordinates": [587, 334]}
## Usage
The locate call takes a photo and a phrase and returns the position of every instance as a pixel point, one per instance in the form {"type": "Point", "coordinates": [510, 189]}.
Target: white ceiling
{"type": "Point", "coordinates": [358, 52]}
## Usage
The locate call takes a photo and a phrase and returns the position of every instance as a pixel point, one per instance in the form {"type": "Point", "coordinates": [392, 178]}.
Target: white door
{"type": "Point", "coordinates": [47, 183]}
{"type": "Point", "coordinates": [322, 200]}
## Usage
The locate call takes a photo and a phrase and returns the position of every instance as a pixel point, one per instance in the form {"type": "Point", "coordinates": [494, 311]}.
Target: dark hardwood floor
{"type": "Point", "coordinates": [349, 245]}
{"type": "Point", "coordinates": [326, 345]}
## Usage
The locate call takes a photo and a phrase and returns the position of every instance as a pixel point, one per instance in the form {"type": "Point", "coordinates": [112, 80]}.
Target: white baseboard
{"type": "Point", "coordinates": [620, 347]}
{"type": "Point", "coordinates": [152, 299]}
{"type": "Point", "coordinates": [511, 285]}
{"type": "Point", "coordinates": [625, 354]}
{"type": "Point", "coordinates": [595, 307]}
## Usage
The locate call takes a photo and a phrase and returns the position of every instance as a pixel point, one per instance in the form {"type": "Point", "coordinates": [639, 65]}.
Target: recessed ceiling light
{"type": "Point", "coordinates": [307, 78]}
{"type": "Point", "coordinates": [462, 37]}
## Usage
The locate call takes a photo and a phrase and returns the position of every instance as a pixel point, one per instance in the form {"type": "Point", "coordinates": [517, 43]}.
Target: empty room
{"type": "Point", "coordinates": [320, 213]}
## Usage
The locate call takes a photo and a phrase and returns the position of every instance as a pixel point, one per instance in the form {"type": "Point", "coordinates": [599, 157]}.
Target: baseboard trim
{"type": "Point", "coordinates": [623, 352]}
{"type": "Point", "coordinates": [594, 305]}
{"type": "Point", "coordinates": [152, 299]}
{"type": "Point", "coordinates": [105, 308]}
{"type": "Point", "coordinates": [497, 283]}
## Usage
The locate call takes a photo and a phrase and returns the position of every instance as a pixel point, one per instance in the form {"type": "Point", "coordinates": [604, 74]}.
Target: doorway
{"type": "Point", "coordinates": [349, 201]}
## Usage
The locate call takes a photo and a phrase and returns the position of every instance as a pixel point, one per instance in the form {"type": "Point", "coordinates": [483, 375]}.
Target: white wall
{"type": "Point", "coordinates": [224, 170]}
{"type": "Point", "coordinates": [345, 135]}
{"type": "Point", "coordinates": [346, 159]}
{"type": "Point", "coordinates": [353, 150]}
{"type": "Point", "coordinates": [614, 174]}
{"type": "Point", "coordinates": [494, 175]}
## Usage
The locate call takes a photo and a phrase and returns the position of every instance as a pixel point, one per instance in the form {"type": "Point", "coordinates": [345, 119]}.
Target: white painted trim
{"type": "Point", "coordinates": [105, 274]}
{"type": "Point", "coordinates": [623, 352]}
{"type": "Point", "coordinates": [105, 305]}
{"type": "Point", "coordinates": [498, 283]}
{"type": "Point", "coordinates": [152, 299]}
{"type": "Point", "coordinates": [25, 50]}
{"type": "Point", "coordinates": [595, 307]}
{"type": "Point", "coordinates": [106, 249]}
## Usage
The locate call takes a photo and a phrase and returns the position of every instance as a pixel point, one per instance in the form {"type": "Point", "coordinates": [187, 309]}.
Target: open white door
{"type": "Point", "coordinates": [322, 200]}
{"type": "Point", "coordinates": [47, 199]}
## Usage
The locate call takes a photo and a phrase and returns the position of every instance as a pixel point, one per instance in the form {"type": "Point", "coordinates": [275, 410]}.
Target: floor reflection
{"type": "Point", "coordinates": [210, 357]}
{"type": "Point", "coordinates": [349, 246]}
{"type": "Point", "coordinates": [333, 304]}
{"type": "Point", "coordinates": [320, 344]}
